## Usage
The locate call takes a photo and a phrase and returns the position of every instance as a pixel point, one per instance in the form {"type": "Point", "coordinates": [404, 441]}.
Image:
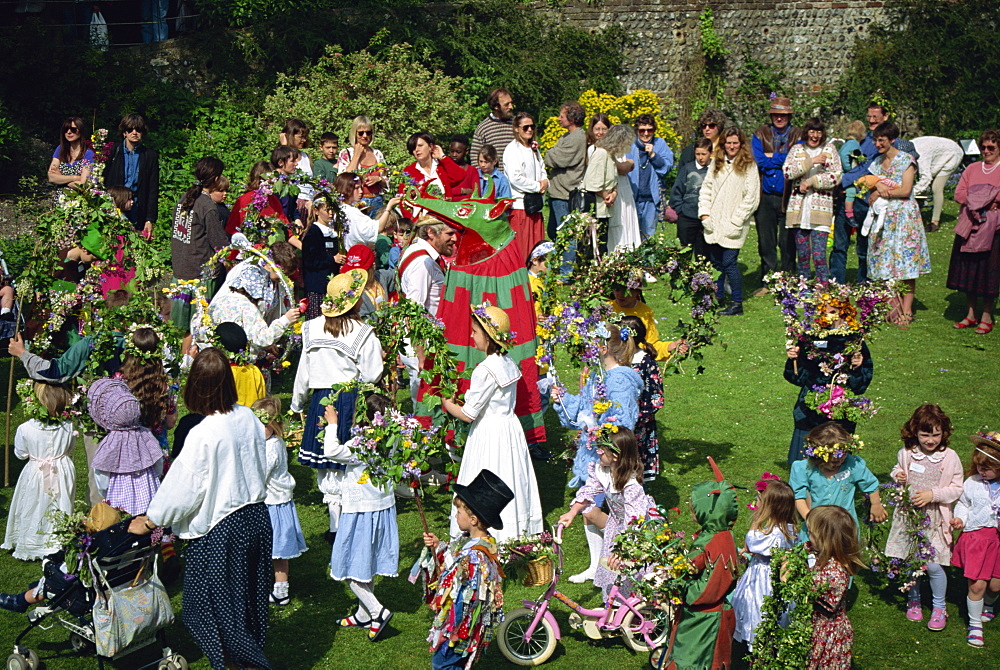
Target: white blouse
{"type": "Point", "coordinates": [524, 169]}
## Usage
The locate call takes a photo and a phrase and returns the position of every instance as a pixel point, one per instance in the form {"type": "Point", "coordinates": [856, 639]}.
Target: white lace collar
{"type": "Point", "coordinates": [919, 455]}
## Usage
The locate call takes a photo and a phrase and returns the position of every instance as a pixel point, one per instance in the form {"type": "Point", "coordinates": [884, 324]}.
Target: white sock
{"type": "Point", "coordinates": [366, 596]}
{"type": "Point", "coordinates": [975, 612]}
{"type": "Point", "coordinates": [595, 540]}
{"type": "Point", "coordinates": [4, 310]}
{"type": "Point", "coordinates": [281, 589]}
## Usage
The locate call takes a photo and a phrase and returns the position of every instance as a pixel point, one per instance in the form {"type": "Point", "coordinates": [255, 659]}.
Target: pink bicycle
{"type": "Point", "coordinates": [529, 634]}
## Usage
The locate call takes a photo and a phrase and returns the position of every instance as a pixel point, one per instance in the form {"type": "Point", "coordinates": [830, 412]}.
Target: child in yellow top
{"type": "Point", "coordinates": [537, 268]}
{"type": "Point", "coordinates": [250, 385]}
{"type": "Point", "coordinates": [629, 302]}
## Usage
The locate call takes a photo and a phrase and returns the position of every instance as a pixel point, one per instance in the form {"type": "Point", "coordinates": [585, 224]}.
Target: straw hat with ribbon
{"type": "Point", "coordinates": [343, 292]}
{"type": "Point", "coordinates": [495, 322]}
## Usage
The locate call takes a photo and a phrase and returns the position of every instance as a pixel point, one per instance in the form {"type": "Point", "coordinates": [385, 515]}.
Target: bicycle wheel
{"type": "Point", "coordinates": [513, 645]}
{"type": "Point", "coordinates": [634, 639]}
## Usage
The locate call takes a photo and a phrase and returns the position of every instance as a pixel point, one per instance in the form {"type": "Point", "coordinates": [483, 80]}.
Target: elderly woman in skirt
{"type": "Point", "coordinates": [213, 496]}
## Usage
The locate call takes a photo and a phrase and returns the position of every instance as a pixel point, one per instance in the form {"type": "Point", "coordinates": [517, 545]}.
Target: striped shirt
{"type": "Point", "coordinates": [493, 131]}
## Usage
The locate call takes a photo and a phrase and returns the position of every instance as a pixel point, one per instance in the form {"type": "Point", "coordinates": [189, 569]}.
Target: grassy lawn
{"type": "Point", "coordinates": [739, 412]}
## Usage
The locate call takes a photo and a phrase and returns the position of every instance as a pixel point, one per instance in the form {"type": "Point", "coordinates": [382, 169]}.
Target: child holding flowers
{"type": "Point", "coordinates": [496, 439]}
{"type": "Point", "coordinates": [831, 473]}
{"type": "Point", "coordinates": [367, 543]}
{"type": "Point", "coordinates": [287, 540]}
{"type": "Point", "coordinates": [771, 527]}
{"type": "Point", "coordinates": [617, 477]}
{"type": "Point", "coordinates": [933, 474]}
{"type": "Point", "coordinates": [651, 398]}
{"type": "Point", "coordinates": [977, 551]}
{"type": "Point", "coordinates": [613, 399]}
{"type": "Point", "coordinates": [831, 357]}
{"type": "Point", "coordinates": [49, 478]}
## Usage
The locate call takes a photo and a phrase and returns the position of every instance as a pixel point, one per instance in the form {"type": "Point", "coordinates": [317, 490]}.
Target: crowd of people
{"type": "Point", "coordinates": [347, 241]}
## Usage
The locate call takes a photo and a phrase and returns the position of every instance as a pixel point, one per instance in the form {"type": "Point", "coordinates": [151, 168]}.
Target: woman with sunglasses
{"type": "Point", "coordinates": [73, 157]}
{"type": "Point", "coordinates": [528, 181]}
{"type": "Point", "coordinates": [975, 256]}
{"type": "Point", "coordinates": [710, 125]}
{"type": "Point", "coordinates": [362, 159]}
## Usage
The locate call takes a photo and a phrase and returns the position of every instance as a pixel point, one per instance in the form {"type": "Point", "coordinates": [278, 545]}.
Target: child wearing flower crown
{"type": "Point", "coordinates": [613, 399]}
{"type": "Point", "coordinates": [142, 369]}
{"type": "Point", "coordinates": [833, 535]}
{"type": "Point", "coordinates": [467, 596]}
{"type": "Point", "coordinates": [933, 474]}
{"type": "Point", "coordinates": [49, 478]}
{"type": "Point", "coordinates": [287, 540]}
{"type": "Point", "coordinates": [496, 439]}
{"type": "Point", "coordinates": [367, 543]}
{"type": "Point", "coordinates": [617, 477]}
{"type": "Point", "coordinates": [839, 318]}
{"type": "Point", "coordinates": [977, 551]}
{"type": "Point", "coordinates": [628, 301]}
{"type": "Point", "coordinates": [832, 473]}
{"type": "Point", "coordinates": [771, 527]}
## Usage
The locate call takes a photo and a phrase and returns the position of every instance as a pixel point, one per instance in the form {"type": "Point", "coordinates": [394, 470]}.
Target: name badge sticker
{"type": "Point", "coordinates": [916, 467]}
{"type": "Point", "coordinates": [841, 476]}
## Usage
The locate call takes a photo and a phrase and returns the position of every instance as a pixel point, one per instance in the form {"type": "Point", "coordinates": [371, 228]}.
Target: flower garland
{"type": "Point", "coordinates": [34, 409]}
{"type": "Point", "coordinates": [656, 557]}
{"type": "Point", "coordinates": [762, 483]}
{"type": "Point", "coordinates": [783, 638]}
{"type": "Point", "coordinates": [394, 448]}
{"type": "Point", "coordinates": [917, 524]}
{"type": "Point", "coordinates": [836, 451]}
{"type": "Point", "coordinates": [159, 353]}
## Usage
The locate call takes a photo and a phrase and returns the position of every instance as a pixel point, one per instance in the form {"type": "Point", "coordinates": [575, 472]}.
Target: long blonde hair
{"type": "Point", "coordinates": [834, 535]}
{"type": "Point", "coordinates": [775, 510]}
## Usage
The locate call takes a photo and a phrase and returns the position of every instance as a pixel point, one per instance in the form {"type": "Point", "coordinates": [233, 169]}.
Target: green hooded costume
{"type": "Point", "coordinates": [705, 630]}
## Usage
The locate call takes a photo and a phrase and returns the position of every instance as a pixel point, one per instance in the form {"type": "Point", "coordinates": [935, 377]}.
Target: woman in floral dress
{"type": "Point", "coordinates": [897, 249]}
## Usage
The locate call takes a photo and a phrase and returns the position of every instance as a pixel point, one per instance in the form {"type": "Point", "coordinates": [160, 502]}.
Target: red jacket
{"type": "Point", "coordinates": [451, 174]}
{"type": "Point", "coordinates": [238, 213]}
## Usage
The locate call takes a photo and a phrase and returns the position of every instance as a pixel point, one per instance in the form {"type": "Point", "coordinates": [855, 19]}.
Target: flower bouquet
{"type": "Point", "coordinates": [532, 556]}
{"type": "Point", "coordinates": [815, 311]}
{"type": "Point", "coordinates": [656, 557]}
{"type": "Point", "coordinates": [917, 522]}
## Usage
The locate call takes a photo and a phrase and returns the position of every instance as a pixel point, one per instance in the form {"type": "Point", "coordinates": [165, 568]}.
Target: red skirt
{"type": "Point", "coordinates": [529, 230]}
{"type": "Point", "coordinates": [978, 554]}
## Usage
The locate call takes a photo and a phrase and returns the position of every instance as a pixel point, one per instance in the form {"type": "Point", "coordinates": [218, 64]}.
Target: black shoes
{"type": "Point", "coordinates": [734, 309]}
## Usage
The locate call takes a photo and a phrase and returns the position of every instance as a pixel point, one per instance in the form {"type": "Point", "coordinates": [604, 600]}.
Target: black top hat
{"type": "Point", "coordinates": [231, 336]}
{"type": "Point", "coordinates": [486, 496]}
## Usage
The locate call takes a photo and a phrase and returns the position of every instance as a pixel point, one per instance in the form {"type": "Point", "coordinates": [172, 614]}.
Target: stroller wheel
{"type": "Point", "coordinates": [17, 662]}
{"type": "Point", "coordinates": [175, 662]}
{"type": "Point", "coordinates": [80, 644]}
{"type": "Point", "coordinates": [33, 661]}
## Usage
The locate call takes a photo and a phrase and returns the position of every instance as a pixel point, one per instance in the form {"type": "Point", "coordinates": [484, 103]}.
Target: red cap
{"type": "Point", "coordinates": [359, 257]}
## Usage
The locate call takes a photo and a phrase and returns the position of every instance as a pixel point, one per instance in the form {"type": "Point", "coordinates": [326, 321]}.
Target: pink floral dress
{"type": "Point", "coordinates": [832, 636]}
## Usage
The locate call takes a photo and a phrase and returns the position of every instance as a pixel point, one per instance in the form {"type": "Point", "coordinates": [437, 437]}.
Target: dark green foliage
{"type": "Point", "coordinates": [935, 60]}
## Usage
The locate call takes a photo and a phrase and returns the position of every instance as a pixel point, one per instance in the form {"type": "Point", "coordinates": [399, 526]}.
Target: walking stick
{"type": "Point", "coordinates": [10, 392]}
{"type": "Point", "coordinates": [420, 509]}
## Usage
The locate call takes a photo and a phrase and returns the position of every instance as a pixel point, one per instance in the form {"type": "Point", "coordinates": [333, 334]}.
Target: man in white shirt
{"type": "Point", "coordinates": [421, 278]}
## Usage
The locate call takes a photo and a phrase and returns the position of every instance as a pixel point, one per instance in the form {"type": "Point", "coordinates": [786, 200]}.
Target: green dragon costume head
{"type": "Point", "coordinates": [481, 221]}
{"type": "Point", "coordinates": [714, 504]}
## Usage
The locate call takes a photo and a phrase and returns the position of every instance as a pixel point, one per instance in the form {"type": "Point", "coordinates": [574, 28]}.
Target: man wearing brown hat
{"type": "Point", "coordinates": [771, 144]}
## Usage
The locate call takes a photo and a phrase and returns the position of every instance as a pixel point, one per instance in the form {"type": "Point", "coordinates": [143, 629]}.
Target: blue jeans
{"type": "Point", "coordinates": [647, 217]}
{"type": "Point", "coordinates": [375, 205]}
{"type": "Point", "coordinates": [154, 17]}
{"type": "Point", "coordinates": [726, 262]}
{"type": "Point", "coordinates": [446, 658]}
{"type": "Point", "coordinates": [842, 242]}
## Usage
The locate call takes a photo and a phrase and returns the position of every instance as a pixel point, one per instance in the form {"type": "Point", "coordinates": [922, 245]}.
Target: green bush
{"type": "Point", "coordinates": [399, 94]}
{"type": "Point", "coordinates": [935, 60]}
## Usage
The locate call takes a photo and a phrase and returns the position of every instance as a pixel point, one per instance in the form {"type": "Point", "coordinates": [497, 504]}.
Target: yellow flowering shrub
{"type": "Point", "coordinates": [624, 109]}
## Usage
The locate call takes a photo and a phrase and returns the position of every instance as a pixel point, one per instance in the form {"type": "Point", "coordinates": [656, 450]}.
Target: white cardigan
{"type": "Point", "coordinates": [525, 169]}
{"type": "Point", "coordinates": [729, 199]}
{"type": "Point", "coordinates": [355, 497]}
{"type": "Point", "coordinates": [328, 360]}
{"type": "Point", "coordinates": [221, 469]}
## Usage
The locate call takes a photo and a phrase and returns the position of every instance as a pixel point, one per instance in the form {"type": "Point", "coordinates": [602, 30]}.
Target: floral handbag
{"type": "Point", "coordinates": [125, 614]}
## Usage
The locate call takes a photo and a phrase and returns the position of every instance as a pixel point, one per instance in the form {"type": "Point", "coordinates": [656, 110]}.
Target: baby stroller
{"type": "Point", "coordinates": [124, 609]}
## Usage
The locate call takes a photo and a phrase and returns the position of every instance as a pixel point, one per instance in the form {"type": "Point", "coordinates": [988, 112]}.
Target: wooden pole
{"type": "Point", "coordinates": [10, 392]}
{"type": "Point", "coordinates": [420, 509]}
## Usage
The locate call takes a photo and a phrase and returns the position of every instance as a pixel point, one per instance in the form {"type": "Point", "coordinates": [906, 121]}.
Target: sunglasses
{"type": "Point", "coordinates": [709, 125]}
{"type": "Point", "coordinates": [367, 133]}
{"type": "Point", "coordinates": [645, 131]}
{"type": "Point", "coordinates": [529, 126]}
{"type": "Point", "coordinates": [72, 130]}
{"type": "Point", "coordinates": [989, 147]}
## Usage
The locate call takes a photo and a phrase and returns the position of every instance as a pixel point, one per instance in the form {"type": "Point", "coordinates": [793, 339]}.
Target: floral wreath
{"type": "Point", "coordinates": [36, 410]}
{"type": "Point", "coordinates": [263, 416]}
{"type": "Point", "coordinates": [825, 452]}
{"type": "Point", "coordinates": [761, 486]}
{"type": "Point", "coordinates": [350, 296]}
{"type": "Point", "coordinates": [503, 339]}
{"type": "Point", "coordinates": [600, 437]}
{"type": "Point", "coordinates": [161, 343]}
